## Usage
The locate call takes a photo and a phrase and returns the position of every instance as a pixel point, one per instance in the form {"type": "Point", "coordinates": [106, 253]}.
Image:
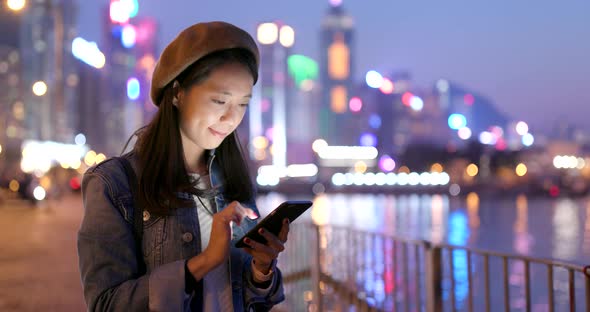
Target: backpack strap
{"type": "Point", "coordinates": [137, 213]}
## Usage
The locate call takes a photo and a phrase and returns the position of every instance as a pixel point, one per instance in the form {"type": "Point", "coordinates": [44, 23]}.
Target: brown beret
{"type": "Point", "coordinates": [194, 43]}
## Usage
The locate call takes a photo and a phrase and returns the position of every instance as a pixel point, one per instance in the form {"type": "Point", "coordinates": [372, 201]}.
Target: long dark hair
{"type": "Point", "coordinates": [159, 148]}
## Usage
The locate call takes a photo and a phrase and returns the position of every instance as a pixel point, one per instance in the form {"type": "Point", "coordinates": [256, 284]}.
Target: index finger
{"type": "Point", "coordinates": [284, 233]}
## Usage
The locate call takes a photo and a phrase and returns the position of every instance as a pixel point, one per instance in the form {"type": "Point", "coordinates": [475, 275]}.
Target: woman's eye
{"type": "Point", "coordinates": [218, 102]}
{"type": "Point", "coordinates": [245, 105]}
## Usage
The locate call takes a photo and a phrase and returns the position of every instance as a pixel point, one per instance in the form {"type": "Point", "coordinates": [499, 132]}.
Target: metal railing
{"type": "Point", "coordinates": [333, 268]}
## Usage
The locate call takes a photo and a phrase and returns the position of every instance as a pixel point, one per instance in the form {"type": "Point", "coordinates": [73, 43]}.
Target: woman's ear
{"type": "Point", "coordinates": [177, 93]}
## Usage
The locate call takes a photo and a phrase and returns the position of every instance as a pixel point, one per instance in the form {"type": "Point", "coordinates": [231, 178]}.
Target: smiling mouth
{"type": "Point", "coordinates": [217, 133]}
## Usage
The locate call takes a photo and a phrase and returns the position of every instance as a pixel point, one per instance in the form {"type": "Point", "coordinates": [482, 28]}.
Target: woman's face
{"type": "Point", "coordinates": [212, 109]}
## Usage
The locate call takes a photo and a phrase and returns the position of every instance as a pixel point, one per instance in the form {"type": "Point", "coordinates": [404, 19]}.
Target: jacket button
{"type": "Point", "coordinates": [146, 215]}
{"type": "Point", "coordinates": [187, 237]}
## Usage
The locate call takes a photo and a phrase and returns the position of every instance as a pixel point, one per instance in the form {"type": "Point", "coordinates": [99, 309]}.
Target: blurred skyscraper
{"type": "Point", "coordinates": [49, 70]}
{"type": "Point", "coordinates": [467, 109]}
{"type": "Point", "coordinates": [11, 94]}
{"type": "Point", "coordinates": [336, 75]}
{"type": "Point", "coordinates": [272, 95]}
{"type": "Point", "coordinates": [130, 45]}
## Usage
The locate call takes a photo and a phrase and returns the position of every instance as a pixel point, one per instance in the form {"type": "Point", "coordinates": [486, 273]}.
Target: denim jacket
{"type": "Point", "coordinates": [107, 252]}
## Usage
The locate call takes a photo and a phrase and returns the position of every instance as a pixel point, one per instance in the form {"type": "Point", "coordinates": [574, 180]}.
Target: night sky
{"type": "Point", "coordinates": [531, 57]}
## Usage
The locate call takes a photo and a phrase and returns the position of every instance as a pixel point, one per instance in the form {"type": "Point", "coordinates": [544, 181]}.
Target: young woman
{"type": "Point", "coordinates": [193, 189]}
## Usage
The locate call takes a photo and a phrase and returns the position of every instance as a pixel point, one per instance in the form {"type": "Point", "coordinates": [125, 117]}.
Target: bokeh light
{"type": "Point", "coordinates": [39, 88]}
{"type": "Point", "coordinates": [472, 170]}
{"type": "Point", "coordinates": [387, 86]}
{"type": "Point", "coordinates": [374, 79]}
{"type": "Point", "coordinates": [386, 163]}
{"type": "Point", "coordinates": [521, 170]}
{"type": "Point", "coordinates": [368, 139]}
{"type": "Point", "coordinates": [464, 133]}
{"type": "Point", "coordinates": [457, 121]}
{"type": "Point", "coordinates": [355, 104]}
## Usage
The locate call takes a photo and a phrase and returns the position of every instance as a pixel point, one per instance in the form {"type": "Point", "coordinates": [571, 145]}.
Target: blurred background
{"type": "Point", "coordinates": [453, 122]}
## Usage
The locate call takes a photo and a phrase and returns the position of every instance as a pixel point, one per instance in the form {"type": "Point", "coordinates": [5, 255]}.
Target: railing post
{"type": "Point", "coordinates": [316, 269]}
{"type": "Point", "coordinates": [434, 277]}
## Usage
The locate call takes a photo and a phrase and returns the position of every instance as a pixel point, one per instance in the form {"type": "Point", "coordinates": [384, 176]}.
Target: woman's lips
{"type": "Point", "coordinates": [217, 133]}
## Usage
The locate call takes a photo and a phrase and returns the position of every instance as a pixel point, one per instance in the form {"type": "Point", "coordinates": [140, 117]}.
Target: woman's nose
{"type": "Point", "coordinates": [231, 116]}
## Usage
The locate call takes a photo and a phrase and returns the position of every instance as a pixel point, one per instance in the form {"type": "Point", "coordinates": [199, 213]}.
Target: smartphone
{"type": "Point", "coordinates": [274, 221]}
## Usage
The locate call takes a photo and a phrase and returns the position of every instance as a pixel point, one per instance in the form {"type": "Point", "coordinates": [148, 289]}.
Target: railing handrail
{"type": "Point", "coordinates": [532, 259]}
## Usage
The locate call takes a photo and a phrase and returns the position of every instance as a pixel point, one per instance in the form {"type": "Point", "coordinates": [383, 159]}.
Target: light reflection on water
{"type": "Point", "coordinates": [544, 228]}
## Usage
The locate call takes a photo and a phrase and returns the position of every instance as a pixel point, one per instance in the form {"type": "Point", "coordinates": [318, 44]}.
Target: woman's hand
{"type": "Point", "coordinates": [217, 250]}
{"type": "Point", "coordinates": [264, 254]}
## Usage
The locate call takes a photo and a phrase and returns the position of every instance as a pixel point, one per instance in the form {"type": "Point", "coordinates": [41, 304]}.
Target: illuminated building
{"type": "Point", "coordinates": [336, 75]}
{"type": "Point", "coordinates": [129, 44]}
{"type": "Point", "coordinates": [92, 110]}
{"type": "Point", "coordinates": [12, 111]}
{"type": "Point", "coordinates": [303, 111]}
{"type": "Point", "coordinates": [272, 95]}
{"type": "Point", "coordinates": [48, 28]}
{"type": "Point", "coordinates": [480, 113]}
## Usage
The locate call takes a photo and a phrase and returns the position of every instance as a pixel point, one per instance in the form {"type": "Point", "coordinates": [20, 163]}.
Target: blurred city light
{"type": "Point", "coordinates": [522, 128]}
{"type": "Point", "coordinates": [457, 121]}
{"type": "Point", "coordinates": [39, 193]}
{"type": "Point", "coordinates": [0, 149]}
{"type": "Point", "coordinates": [581, 163]}
{"type": "Point", "coordinates": [375, 121]}
{"type": "Point", "coordinates": [287, 36]}
{"type": "Point", "coordinates": [128, 36]}
{"type": "Point", "coordinates": [119, 11]}
{"type": "Point", "coordinates": [260, 142]}
{"type": "Point", "coordinates": [335, 3]}
{"type": "Point", "coordinates": [407, 98]}
{"type": "Point", "coordinates": [90, 158]}
{"type": "Point", "coordinates": [374, 79]}
{"type": "Point", "coordinates": [16, 5]}
{"type": "Point", "coordinates": [412, 179]}
{"type": "Point", "coordinates": [88, 53]}
{"type": "Point", "coordinates": [386, 163]}
{"type": "Point", "coordinates": [303, 69]}
{"type": "Point", "coordinates": [387, 86]}
{"type": "Point", "coordinates": [269, 175]}
{"type": "Point", "coordinates": [355, 104]}
{"type": "Point", "coordinates": [268, 33]}
{"type": "Point", "coordinates": [472, 170]}
{"type": "Point", "coordinates": [14, 185]}
{"type": "Point", "coordinates": [567, 162]}
{"type": "Point", "coordinates": [318, 145]}
{"type": "Point", "coordinates": [39, 88]}
{"type": "Point", "coordinates": [360, 167]}
{"type": "Point", "coordinates": [521, 170]}
{"type": "Point", "coordinates": [368, 139]}
{"type": "Point", "coordinates": [416, 103]}
{"type": "Point", "coordinates": [436, 167]}
{"type": "Point", "coordinates": [131, 7]}
{"type": "Point", "coordinates": [39, 156]}
{"type": "Point", "coordinates": [80, 139]}
{"type": "Point", "coordinates": [464, 133]}
{"type": "Point", "coordinates": [442, 85]}
{"type": "Point", "coordinates": [454, 190]}
{"type": "Point", "coordinates": [348, 152]}
{"type": "Point", "coordinates": [133, 89]}
{"type": "Point", "coordinates": [468, 99]}
{"type": "Point", "coordinates": [487, 138]}
{"type": "Point", "coordinates": [302, 170]}
{"type": "Point", "coordinates": [100, 158]}
{"type": "Point", "coordinates": [528, 139]}
{"type": "Point", "coordinates": [497, 131]}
